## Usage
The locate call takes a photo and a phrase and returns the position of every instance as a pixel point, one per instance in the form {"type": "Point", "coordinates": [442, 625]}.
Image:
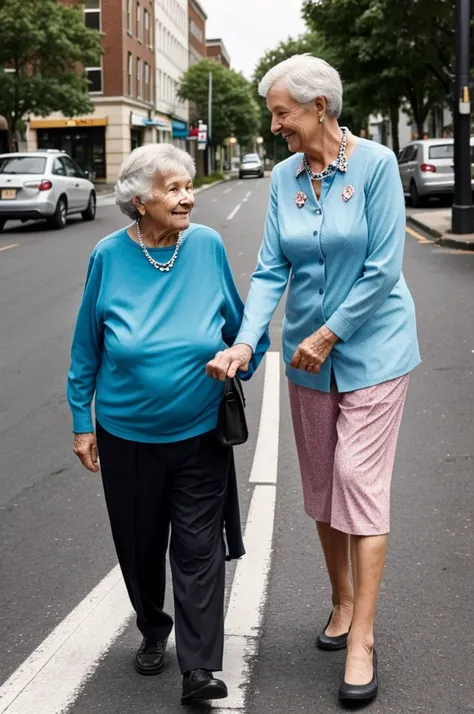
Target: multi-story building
{"type": "Point", "coordinates": [122, 90]}
{"type": "Point", "coordinates": [216, 50]}
{"type": "Point", "coordinates": [197, 32]}
{"type": "Point", "coordinates": [171, 61]}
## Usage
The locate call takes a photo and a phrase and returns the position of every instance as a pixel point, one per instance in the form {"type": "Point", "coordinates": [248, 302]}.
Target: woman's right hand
{"type": "Point", "coordinates": [85, 448]}
{"type": "Point", "coordinates": [228, 362]}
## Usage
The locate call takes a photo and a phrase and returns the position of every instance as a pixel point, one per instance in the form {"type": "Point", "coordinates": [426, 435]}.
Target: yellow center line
{"type": "Point", "coordinates": [420, 238]}
{"type": "Point", "coordinates": [7, 247]}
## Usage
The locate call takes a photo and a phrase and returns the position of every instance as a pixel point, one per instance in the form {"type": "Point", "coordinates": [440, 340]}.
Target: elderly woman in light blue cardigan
{"type": "Point", "coordinates": [335, 234]}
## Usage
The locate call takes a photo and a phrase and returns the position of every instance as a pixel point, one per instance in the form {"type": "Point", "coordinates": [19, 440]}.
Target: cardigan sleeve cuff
{"type": "Point", "coordinates": [82, 423]}
{"type": "Point", "coordinates": [247, 337]}
{"type": "Point", "coordinates": [340, 326]}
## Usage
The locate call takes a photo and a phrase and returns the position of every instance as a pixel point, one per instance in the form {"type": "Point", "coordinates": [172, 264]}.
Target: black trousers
{"type": "Point", "coordinates": [148, 488]}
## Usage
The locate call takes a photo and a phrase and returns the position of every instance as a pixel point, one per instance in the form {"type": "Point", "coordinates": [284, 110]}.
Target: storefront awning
{"type": "Point", "coordinates": [137, 120]}
{"type": "Point", "coordinates": [180, 129]}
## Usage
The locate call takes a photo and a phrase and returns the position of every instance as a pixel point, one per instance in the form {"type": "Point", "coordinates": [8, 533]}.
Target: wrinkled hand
{"type": "Point", "coordinates": [314, 350]}
{"type": "Point", "coordinates": [227, 363]}
{"type": "Point", "coordinates": [85, 448]}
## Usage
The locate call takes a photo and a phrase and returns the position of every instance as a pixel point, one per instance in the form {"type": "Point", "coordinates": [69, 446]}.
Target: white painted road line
{"type": "Point", "coordinates": [240, 183]}
{"type": "Point", "coordinates": [49, 680]}
{"type": "Point", "coordinates": [214, 200]}
{"type": "Point", "coordinates": [228, 190]}
{"type": "Point", "coordinates": [249, 590]}
{"type": "Point", "coordinates": [247, 196]}
{"type": "Point", "coordinates": [265, 461]}
{"type": "Point", "coordinates": [234, 212]}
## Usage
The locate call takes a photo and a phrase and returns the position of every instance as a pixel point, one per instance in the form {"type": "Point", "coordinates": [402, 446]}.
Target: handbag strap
{"type": "Point", "coordinates": [232, 385]}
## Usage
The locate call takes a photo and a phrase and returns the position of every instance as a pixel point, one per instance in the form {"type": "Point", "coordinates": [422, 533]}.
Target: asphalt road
{"type": "Point", "coordinates": [55, 544]}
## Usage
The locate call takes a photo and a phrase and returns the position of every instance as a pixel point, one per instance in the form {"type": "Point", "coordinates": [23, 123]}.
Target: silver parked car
{"type": "Point", "coordinates": [251, 165]}
{"type": "Point", "coordinates": [427, 168]}
{"type": "Point", "coordinates": [44, 184]}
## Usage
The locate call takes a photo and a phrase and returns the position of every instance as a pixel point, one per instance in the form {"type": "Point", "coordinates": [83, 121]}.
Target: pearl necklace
{"type": "Point", "coordinates": [340, 163]}
{"type": "Point", "coordinates": [162, 267]}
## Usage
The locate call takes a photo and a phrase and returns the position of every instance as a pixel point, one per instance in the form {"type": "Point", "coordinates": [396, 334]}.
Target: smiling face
{"type": "Point", "coordinates": [171, 202]}
{"type": "Point", "coordinates": [299, 125]}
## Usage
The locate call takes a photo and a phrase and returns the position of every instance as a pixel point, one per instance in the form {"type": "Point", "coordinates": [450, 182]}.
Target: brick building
{"type": "Point", "coordinates": [122, 89]}
{"type": "Point", "coordinates": [216, 50]}
{"type": "Point", "coordinates": [197, 32]}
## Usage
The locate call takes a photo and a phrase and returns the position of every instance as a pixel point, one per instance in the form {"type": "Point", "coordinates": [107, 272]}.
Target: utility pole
{"type": "Point", "coordinates": [463, 213]}
{"type": "Point", "coordinates": [209, 127]}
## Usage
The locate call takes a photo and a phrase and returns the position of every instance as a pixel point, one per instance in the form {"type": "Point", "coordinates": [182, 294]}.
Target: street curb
{"type": "Point", "coordinates": [441, 238]}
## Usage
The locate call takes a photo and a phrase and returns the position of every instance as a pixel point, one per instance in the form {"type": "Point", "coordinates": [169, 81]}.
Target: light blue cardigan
{"type": "Point", "coordinates": [343, 262]}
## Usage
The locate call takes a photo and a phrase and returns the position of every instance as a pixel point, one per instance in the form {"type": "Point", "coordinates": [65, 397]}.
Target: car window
{"type": "Point", "coordinates": [411, 153]}
{"type": "Point", "coordinates": [402, 157]}
{"type": "Point", "coordinates": [72, 169]}
{"type": "Point", "coordinates": [58, 168]}
{"type": "Point", "coordinates": [442, 151]}
{"type": "Point", "coordinates": [22, 165]}
{"type": "Point", "coordinates": [250, 158]}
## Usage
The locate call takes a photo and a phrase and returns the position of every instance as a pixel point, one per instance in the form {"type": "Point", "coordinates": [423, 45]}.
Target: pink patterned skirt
{"type": "Point", "coordinates": [346, 446]}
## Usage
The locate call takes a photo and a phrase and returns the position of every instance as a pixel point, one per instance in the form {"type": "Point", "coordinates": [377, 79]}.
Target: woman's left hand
{"type": "Point", "coordinates": [314, 350]}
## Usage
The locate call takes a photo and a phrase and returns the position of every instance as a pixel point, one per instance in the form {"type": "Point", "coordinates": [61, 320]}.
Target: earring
{"type": "Point", "coordinates": [321, 118]}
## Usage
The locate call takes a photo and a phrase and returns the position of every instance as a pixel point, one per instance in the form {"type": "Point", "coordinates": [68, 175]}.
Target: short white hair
{"type": "Point", "coordinates": [138, 171]}
{"type": "Point", "coordinates": [306, 78]}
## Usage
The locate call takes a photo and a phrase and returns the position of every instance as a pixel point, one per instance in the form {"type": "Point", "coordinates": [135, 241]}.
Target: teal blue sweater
{"type": "Point", "coordinates": [143, 338]}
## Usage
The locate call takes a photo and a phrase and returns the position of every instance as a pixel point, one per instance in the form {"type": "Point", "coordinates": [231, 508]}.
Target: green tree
{"type": "Point", "coordinates": [234, 109]}
{"type": "Point", "coordinates": [390, 54]}
{"type": "Point", "coordinates": [43, 47]}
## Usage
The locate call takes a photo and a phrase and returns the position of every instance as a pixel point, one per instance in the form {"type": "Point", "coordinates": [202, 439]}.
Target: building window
{"type": "Point", "coordinates": [139, 78]}
{"type": "Point", "coordinates": [147, 82]}
{"type": "Point", "coordinates": [147, 28]}
{"type": "Point", "coordinates": [94, 77]}
{"type": "Point", "coordinates": [130, 75]}
{"type": "Point", "coordinates": [92, 14]}
{"type": "Point", "coordinates": [129, 16]}
{"type": "Point", "coordinates": [139, 23]}
{"type": "Point", "coordinates": [195, 31]}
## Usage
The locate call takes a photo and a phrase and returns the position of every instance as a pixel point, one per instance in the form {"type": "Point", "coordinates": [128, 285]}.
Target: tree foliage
{"type": "Point", "coordinates": [44, 44]}
{"type": "Point", "coordinates": [235, 111]}
{"type": "Point", "coordinates": [390, 54]}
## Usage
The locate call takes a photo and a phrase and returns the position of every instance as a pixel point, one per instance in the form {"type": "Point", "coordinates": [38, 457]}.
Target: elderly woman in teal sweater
{"type": "Point", "coordinates": [334, 234]}
{"type": "Point", "coordinates": [159, 301]}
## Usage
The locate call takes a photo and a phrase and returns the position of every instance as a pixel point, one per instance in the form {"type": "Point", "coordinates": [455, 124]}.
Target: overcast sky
{"type": "Point", "coordinates": [250, 27]}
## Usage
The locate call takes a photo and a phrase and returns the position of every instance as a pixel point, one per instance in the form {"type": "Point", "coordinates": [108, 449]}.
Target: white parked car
{"type": "Point", "coordinates": [427, 169]}
{"type": "Point", "coordinates": [44, 185]}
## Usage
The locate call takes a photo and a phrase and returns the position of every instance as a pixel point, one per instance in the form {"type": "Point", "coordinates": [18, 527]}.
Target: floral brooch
{"type": "Point", "coordinates": [348, 193]}
{"type": "Point", "coordinates": [300, 199]}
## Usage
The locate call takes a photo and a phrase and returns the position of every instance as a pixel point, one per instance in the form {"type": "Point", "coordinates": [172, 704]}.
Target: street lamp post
{"type": "Point", "coordinates": [463, 213]}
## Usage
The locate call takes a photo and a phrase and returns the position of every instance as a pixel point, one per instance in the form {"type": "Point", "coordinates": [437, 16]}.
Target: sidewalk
{"type": "Point", "coordinates": [437, 224]}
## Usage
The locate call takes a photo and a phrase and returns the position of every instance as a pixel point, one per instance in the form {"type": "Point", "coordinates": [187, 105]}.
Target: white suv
{"type": "Point", "coordinates": [44, 185]}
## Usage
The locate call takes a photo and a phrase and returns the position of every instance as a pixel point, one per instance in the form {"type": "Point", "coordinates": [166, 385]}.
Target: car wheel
{"type": "Point", "coordinates": [2, 224]}
{"type": "Point", "coordinates": [89, 213]}
{"type": "Point", "coordinates": [241, 176]}
{"type": "Point", "coordinates": [58, 220]}
{"type": "Point", "coordinates": [415, 197]}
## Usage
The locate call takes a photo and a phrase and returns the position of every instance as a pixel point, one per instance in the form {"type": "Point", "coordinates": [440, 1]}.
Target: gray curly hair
{"type": "Point", "coordinates": [140, 168]}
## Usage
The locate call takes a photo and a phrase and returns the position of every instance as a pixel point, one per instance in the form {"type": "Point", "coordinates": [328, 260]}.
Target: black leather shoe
{"type": "Point", "coordinates": [324, 642]}
{"type": "Point", "coordinates": [151, 657]}
{"type": "Point", "coordinates": [200, 684]}
{"type": "Point", "coordinates": [361, 692]}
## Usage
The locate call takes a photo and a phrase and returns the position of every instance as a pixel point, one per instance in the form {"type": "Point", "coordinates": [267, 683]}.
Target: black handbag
{"type": "Point", "coordinates": [231, 423]}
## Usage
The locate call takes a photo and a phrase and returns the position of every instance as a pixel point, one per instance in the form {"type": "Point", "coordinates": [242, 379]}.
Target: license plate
{"type": "Point", "coordinates": [8, 194]}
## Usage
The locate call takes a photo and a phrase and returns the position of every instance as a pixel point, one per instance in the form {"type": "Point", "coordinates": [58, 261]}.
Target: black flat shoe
{"type": "Point", "coordinates": [200, 684]}
{"type": "Point", "coordinates": [151, 657]}
{"type": "Point", "coordinates": [361, 692]}
{"type": "Point", "coordinates": [324, 642]}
